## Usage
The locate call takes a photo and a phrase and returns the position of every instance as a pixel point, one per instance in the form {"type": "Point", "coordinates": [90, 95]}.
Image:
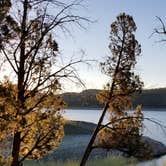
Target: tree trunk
{"type": "Point", "coordinates": [20, 86]}
{"type": "Point", "coordinates": [16, 149]}
{"type": "Point", "coordinates": [89, 147]}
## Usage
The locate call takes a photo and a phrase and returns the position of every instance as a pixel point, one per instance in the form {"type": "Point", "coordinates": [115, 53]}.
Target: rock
{"type": "Point", "coordinates": [146, 148]}
{"type": "Point", "coordinates": [157, 148]}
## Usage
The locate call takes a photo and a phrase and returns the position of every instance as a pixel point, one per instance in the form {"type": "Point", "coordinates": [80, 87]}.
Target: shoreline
{"type": "Point", "coordinates": [100, 108]}
{"type": "Point", "coordinates": [75, 141]}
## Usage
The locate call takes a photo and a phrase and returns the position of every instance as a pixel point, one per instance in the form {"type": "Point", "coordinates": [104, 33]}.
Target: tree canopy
{"type": "Point", "coordinates": [118, 93]}
{"type": "Point", "coordinates": [32, 118]}
{"type": "Point", "coordinates": [124, 129]}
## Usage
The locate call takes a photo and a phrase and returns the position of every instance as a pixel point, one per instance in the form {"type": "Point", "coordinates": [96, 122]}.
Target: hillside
{"type": "Point", "coordinates": [151, 98]}
{"type": "Point", "coordinates": [78, 127]}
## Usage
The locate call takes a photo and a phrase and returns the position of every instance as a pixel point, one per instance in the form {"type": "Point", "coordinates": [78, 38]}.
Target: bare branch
{"type": "Point", "coordinates": [160, 30]}
{"type": "Point", "coordinates": [8, 59]}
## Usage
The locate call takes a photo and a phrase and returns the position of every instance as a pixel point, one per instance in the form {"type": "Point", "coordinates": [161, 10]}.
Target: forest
{"type": "Point", "coordinates": [87, 99]}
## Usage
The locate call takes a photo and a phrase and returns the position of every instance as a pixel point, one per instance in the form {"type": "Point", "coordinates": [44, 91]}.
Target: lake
{"type": "Point", "coordinates": [151, 129]}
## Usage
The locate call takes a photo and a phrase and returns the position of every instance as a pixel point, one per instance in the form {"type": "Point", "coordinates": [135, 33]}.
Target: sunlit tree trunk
{"type": "Point", "coordinates": [89, 147]}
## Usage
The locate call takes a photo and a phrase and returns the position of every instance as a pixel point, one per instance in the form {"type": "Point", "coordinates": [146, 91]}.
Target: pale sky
{"type": "Point", "coordinates": [95, 40]}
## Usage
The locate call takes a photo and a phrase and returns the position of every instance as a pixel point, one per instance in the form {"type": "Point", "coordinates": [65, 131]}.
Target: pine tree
{"type": "Point", "coordinates": [119, 92]}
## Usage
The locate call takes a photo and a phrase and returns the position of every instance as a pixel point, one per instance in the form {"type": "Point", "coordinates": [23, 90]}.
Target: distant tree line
{"type": "Point", "coordinates": [149, 98]}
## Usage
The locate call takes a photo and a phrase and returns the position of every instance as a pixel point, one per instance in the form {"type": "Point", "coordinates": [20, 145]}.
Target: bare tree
{"type": "Point", "coordinates": [32, 115]}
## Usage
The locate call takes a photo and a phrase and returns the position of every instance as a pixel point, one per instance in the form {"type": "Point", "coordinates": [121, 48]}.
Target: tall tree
{"type": "Point", "coordinates": [120, 67]}
{"type": "Point", "coordinates": [30, 108]}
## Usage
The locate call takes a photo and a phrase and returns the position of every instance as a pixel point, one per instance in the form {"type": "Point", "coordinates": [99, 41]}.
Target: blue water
{"type": "Point", "coordinates": [151, 129]}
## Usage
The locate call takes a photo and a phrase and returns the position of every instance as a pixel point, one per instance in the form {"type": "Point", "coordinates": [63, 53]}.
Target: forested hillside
{"type": "Point", "coordinates": [155, 98]}
{"type": "Point", "coordinates": [151, 98]}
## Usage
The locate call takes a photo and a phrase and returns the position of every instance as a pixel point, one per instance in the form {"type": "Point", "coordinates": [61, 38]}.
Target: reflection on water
{"type": "Point", "coordinates": [151, 129]}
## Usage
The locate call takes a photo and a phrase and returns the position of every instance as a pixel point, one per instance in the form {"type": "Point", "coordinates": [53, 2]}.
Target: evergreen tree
{"type": "Point", "coordinates": [119, 92]}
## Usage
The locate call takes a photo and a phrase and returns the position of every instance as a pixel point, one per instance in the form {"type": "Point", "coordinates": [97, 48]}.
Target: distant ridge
{"type": "Point", "coordinates": [149, 98]}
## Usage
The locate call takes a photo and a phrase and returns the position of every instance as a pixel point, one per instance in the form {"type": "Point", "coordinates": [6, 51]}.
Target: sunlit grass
{"type": "Point", "coordinates": [111, 161]}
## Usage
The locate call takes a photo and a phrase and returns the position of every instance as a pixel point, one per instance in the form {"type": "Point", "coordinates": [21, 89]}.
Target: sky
{"type": "Point", "coordinates": [94, 41]}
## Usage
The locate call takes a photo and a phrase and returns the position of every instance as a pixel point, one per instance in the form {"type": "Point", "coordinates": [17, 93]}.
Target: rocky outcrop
{"type": "Point", "coordinates": [143, 149]}
{"type": "Point", "coordinates": [146, 148]}
{"type": "Point", "coordinates": [157, 148]}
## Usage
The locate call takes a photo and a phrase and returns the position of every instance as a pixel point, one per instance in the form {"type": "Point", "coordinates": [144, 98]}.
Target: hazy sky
{"type": "Point", "coordinates": [94, 41]}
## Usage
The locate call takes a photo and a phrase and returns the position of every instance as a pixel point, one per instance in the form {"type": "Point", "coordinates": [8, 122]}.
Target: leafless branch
{"type": "Point", "coordinates": [133, 117]}
{"type": "Point", "coordinates": [9, 60]}
{"type": "Point", "coordinates": [160, 30]}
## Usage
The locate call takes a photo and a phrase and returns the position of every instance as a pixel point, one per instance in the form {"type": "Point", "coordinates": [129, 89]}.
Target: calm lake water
{"type": "Point", "coordinates": [151, 129]}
